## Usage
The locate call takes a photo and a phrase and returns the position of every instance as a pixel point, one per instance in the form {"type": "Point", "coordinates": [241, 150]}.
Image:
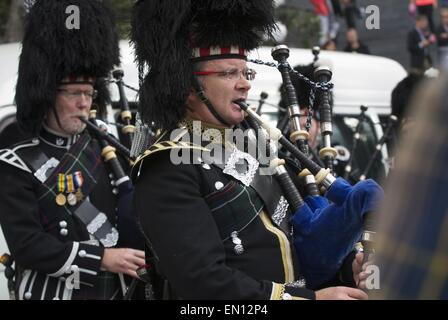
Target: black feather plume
{"type": "Point", "coordinates": [233, 22]}
{"type": "Point", "coordinates": [160, 31]}
{"type": "Point", "coordinates": [163, 32]}
{"type": "Point", "coordinates": [51, 51]}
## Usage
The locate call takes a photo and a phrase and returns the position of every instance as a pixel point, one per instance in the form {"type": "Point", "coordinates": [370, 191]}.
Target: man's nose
{"type": "Point", "coordinates": [84, 102]}
{"type": "Point", "coordinates": [243, 84]}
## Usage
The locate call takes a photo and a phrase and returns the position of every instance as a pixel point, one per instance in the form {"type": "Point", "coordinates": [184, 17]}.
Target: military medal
{"type": "Point", "coordinates": [70, 184]}
{"type": "Point", "coordinates": [78, 181]}
{"type": "Point", "coordinates": [71, 199]}
{"type": "Point", "coordinates": [79, 195]}
{"type": "Point", "coordinates": [60, 198]}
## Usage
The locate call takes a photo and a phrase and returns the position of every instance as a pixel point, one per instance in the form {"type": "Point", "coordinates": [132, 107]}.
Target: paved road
{"type": "Point", "coordinates": [390, 39]}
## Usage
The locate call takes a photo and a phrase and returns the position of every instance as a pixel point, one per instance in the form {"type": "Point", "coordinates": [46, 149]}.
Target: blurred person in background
{"type": "Point", "coordinates": [354, 44]}
{"type": "Point", "coordinates": [351, 13]}
{"type": "Point", "coordinates": [329, 27]}
{"type": "Point", "coordinates": [412, 250]}
{"type": "Point", "coordinates": [419, 41]}
{"type": "Point", "coordinates": [426, 8]}
{"type": "Point", "coordinates": [442, 38]}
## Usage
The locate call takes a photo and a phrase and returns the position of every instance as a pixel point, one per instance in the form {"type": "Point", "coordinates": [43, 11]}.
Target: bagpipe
{"type": "Point", "coordinates": [132, 132]}
{"type": "Point", "coordinates": [356, 138]}
{"type": "Point", "coordinates": [130, 236]}
{"type": "Point", "coordinates": [297, 134]}
{"type": "Point", "coordinates": [128, 128]}
{"type": "Point", "coordinates": [388, 132]}
{"type": "Point", "coordinates": [326, 228]}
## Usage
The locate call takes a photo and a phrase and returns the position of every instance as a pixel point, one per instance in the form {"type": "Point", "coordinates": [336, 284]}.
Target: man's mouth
{"type": "Point", "coordinates": [235, 102]}
{"type": "Point", "coordinates": [81, 116]}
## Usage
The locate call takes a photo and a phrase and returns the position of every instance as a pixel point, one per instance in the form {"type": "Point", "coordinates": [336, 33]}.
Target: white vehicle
{"type": "Point", "coordinates": [358, 80]}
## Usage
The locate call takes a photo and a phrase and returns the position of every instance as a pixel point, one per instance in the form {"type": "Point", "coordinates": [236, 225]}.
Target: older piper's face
{"type": "Point", "coordinates": [72, 101]}
{"type": "Point", "coordinates": [222, 89]}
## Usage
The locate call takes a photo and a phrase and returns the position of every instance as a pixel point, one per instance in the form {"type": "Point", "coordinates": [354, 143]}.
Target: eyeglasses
{"type": "Point", "coordinates": [232, 74]}
{"type": "Point", "coordinates": [74, 95]}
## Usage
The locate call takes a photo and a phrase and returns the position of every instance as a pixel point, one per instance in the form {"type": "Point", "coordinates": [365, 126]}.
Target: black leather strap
{"type": "Point", "coordinates": [201, 94]}
{"type": "Point", "coordinates": [34, 157]}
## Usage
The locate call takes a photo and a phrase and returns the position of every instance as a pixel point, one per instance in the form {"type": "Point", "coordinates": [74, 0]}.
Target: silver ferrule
{"type": "Point", "coordinates": [293, 110]}
{"type": "Point", "coordinates": [309, 179]}
{"type": "Point", "coordinates": [368, 236]}
{"type": "Point", "coordinates": [280, 170]}
{"type": "Point", "coordinates": [326, 127]}
{"type": "Point", "coordinates": [328, 181]}
{"type": "Point", "coordinates": [327, 140]}
{"type": "Point", "coordinates": [294, 116]}
{"type": "Point", "coordinates": [295, 124]}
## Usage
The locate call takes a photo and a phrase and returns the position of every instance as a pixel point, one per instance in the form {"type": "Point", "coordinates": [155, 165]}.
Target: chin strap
{"type": "Point", "coordinates": [201, 94]}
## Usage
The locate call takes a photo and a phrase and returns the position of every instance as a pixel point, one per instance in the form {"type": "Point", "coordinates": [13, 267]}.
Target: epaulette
{"type": "Point", "coordinates": [10, 156]}
{"type": "Point", "coordinates": [160, 146]}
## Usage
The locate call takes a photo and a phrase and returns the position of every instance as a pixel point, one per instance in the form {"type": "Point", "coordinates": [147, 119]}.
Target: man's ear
{"type": "Point", "coordinates": [192, 96]}
{"type": "Point", "coordinates": [192, 99]}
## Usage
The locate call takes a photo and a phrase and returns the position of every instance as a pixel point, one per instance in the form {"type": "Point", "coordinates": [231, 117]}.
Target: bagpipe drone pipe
{"type": "Point", "coordinates": [326, 228]}
{"type": "Point", "coordinates": [130, 235]}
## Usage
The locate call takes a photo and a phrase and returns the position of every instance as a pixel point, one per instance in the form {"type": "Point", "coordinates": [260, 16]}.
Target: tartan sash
{"type": "Point", "coordinates": [232, 198]}
{"type": "Point", "coordinates": [268, 191]}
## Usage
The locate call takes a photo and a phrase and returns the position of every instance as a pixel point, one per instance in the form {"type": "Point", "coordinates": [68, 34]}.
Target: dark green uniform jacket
{"type": "Point", "coordinates": [215, 235]}
{"type": "Point", "coordinates": [49, 242]}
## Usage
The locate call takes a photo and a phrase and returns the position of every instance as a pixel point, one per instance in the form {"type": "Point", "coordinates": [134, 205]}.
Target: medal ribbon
{"type": "Point", "coordinates": [61, 182]}
{"type": "Point", "coordinates": [78, 179]}
{"type": "Point", "coordinates": [70, 185]}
